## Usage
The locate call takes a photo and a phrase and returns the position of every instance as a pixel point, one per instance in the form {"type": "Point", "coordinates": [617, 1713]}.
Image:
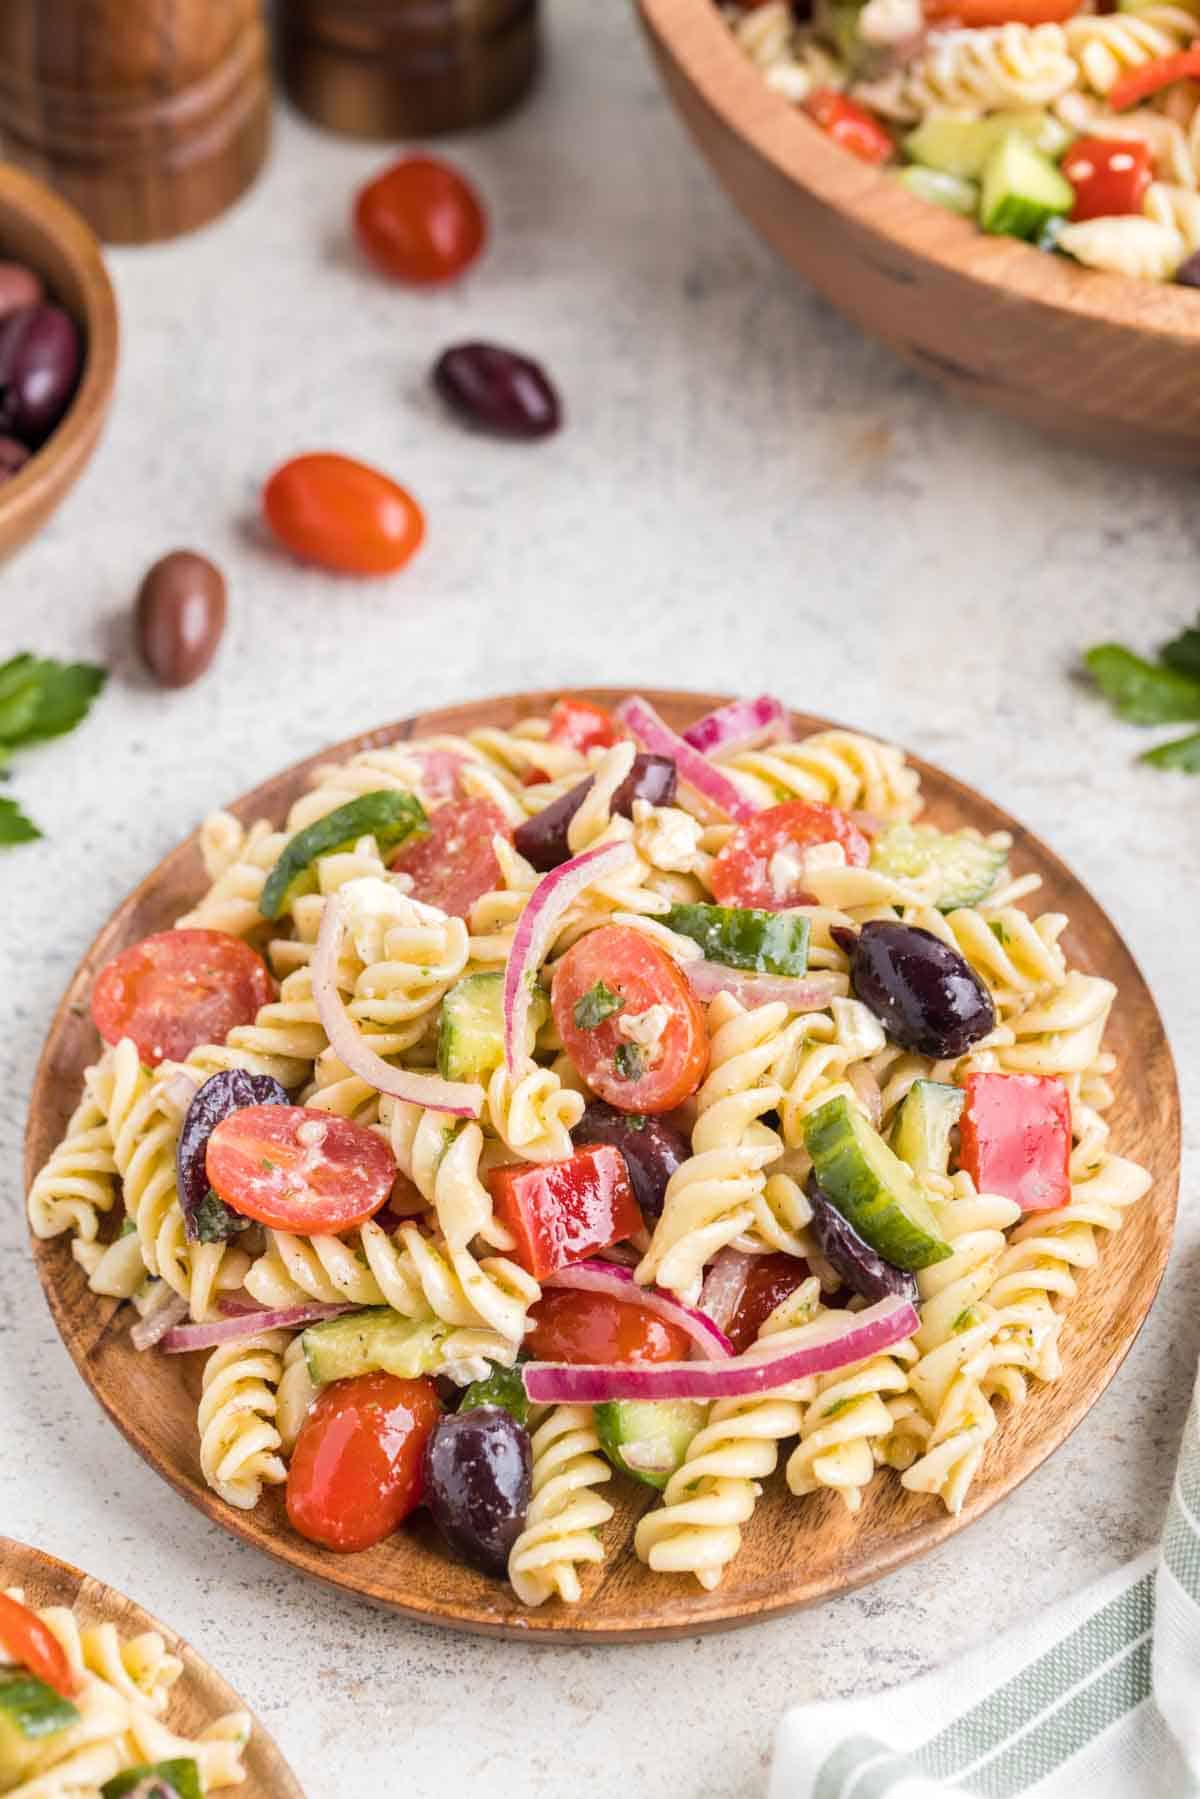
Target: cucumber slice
{"type": "Point", "coordinates": [503, 1387]}
{"type": "Point", "coordinates": [921, 1133]}
{"type": "Point", "coordinates": [471, 1027]}
{"type": "Point", "coordinates": [1021, 190]}
{"type": "Point", "coordinates": [386, 815]}
{"type": "Point", "coordinates": [942, 189]}
{"type": "Point", "coordinates": [180, 1777]}
{"type": "Point", "coordinates": [962, 146]}
{"type": "Point", "coordinates": [647, 1438]}
{"type": "Point", "coordinates": [968, 866]}
{"type": "Point", "coordinates": [341, 1348]}
{"type": "Point", "coordinates": [31, 1712]}
{"type": "Point", "coordinates": [871, 1187]}
{"type": "Point", "coordinates": [742, 937]}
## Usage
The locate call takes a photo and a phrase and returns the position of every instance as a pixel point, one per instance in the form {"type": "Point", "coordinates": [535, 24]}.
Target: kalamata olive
{"type": "Point", "coordinates": [180, 616]}
{"type": "Point", "coordinates": [542, 839]}
{"type": "Point", "coordinates": [862, 1268]}
{"type": "Point", "coordinates": [478, 1472]}
{"type": "Point", "coordinates": [497, 390]}
{"type": "Point", "coordinates": [13, 457]}
{"type": "Point", "coordinates": [924, 993]}
{"type": "Point", "coordinates": [40, 357]}
{"type": "Point", "coordinates": [206, 1218]}
{"type": "Point", "coordinates": [1188, 272]}
{"type": "Point", "coordinates": [19, 286]}
{"type": "Point", "coordinates": [652, 1149]}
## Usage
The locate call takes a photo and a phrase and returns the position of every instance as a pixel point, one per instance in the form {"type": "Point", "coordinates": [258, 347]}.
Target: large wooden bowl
{"type": "Point", "coordinates": [1106, 361]}
{"type": "Point", "coordinates": [198, 1697]}
{"type": "Point", "coordinates": [796, 1551]}
{"type": "Point", "coordinates": [39, 229]}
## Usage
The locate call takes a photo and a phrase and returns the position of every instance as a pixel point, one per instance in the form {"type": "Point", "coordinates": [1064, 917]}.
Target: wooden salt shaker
{"type": "Point", "coordinates": [407, 68]}
{"type": "Point", "coordinates": [151, 116]}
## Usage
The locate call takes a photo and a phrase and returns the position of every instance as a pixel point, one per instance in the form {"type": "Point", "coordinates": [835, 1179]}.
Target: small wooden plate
{"type": "Point", "coordinates": [200, 1695]}
{"type": "Point", "coordinates": [795, 1551]}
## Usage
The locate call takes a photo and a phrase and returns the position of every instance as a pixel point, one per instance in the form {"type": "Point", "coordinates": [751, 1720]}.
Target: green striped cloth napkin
{"type": "Point", "coordinates": [1097, 1699]}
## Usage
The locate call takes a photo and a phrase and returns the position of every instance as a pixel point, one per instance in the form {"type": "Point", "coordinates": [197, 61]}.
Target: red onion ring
{"type": "Point", "coordinates": [800, 992]}
{"type": "Point", "coordinates": [723, 1285]}
{"type": "Point", "coordinates": [741, 725]}
{"type": "Point", "coordinates": [246, 1323]}
{"type": "Point", "coordinates": [152, 1329]}
{"type": "Point", "coordinates": [618, 1283]}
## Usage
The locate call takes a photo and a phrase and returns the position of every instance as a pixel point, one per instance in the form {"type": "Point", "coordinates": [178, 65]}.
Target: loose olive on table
{"type": "Point", "coordinates": [179, 617]}
{"type": "Point", "coordinates": [497, 390]}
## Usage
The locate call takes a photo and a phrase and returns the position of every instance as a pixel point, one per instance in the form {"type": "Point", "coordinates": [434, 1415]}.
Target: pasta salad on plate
{"type": "Point", "coordinates": [586, 1102]}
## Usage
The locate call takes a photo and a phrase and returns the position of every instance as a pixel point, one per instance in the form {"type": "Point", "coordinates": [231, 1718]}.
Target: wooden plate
{"type": "Point", "coordinates": [199, 1697]}
{"type": "Point", "coordinates": [796, 1551]}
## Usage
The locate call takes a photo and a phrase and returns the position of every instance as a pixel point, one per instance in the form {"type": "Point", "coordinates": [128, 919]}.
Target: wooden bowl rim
{"type": "Point", "coordinates": [60, 460]}
{"type": "Point", "coordinates": [267, 1773]}
{"type": "Point", "coordinates": [696, 35]}
{"type": "Point", "coordinates": [679, 1614]}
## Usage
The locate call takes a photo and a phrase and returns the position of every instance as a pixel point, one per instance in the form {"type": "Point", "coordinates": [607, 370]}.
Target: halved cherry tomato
{"type": "Point", "coordinates": [33, 1645]}
{"type": "Point", "coordinates": [356, 1470]}
{"type": "Point", "coordinates": [343, 515]}
{"type": "Point", "coordinates": [583, 725]}
{"type": "Point", "coordinates": [299, 1169]}
{"type": "Point", "coordinates": [562, 1212]}
{"type": "Point", "coordinates": [746, 873]}
{"type": "Point", "coordinates": [769, 1280]}
{"type": "Point", "coordinates": [850, 125]}
{"type": "Point", "coordinates": [1000, 12]}
{"type": "Point", "coordinates": [420, 221]}
{"type": "Point", "coordinates": [455, 864]}
{"type": "Point", "coordinates": [1110, 175]}
{"type": "Point", "coordinates": [1016, 1138]}
{"type": "Point", "coordinates": [177, 989]}
{"type": "Point", "coordinates": [1164, 71]}
{"type": "Point", "coordinates": [596, 1327]}
{"type": "Point", "coordinates": [638, 975]}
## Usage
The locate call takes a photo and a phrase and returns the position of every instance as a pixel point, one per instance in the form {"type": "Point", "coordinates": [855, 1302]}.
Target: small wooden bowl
{"type": "Point", "coordinates": [38, 228]}
{"type": "Point", "coordinates": [199, 1696]}
{"type": "Point", "coordinates": [1101, 359]}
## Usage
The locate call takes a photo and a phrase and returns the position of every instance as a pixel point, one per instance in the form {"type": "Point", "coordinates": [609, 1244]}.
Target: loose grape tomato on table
{"type": "Point", "coordinates": [455, 864]}
{"type": "Point", "coordinates": [420, 221]}
{"type": "Point", "coordinates": [177, 989]}
{"type": "Point", "coordinates": [597, 1328]}
{"type": "Point", "coordinates": [633, 1077]}
{"type": "Point", "coordinates": [26, 1640]}
{"type": "Point", "coordinates": [343, 515]}
{"type": "Point", "coordinates": [762, 863]}
{"type": "Point", "coordinates": [299, 1169]}
{"type": "Point", "coordinates": [356, 1472]}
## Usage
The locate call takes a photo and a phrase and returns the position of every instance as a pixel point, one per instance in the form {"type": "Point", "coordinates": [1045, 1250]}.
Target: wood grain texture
{"type": "Point", "coordinates": [796, 1552]}
{"type": "Point", "coordinates": [407, 68]}
{"type": "Point", "coordinates": [39, 229]}
{"type": "Point", "coordinates": [198, 1697]}
{"type": "Point", "coordinates": [1099, 359]}
{"type": "Point", "coordinates": [151, 116]}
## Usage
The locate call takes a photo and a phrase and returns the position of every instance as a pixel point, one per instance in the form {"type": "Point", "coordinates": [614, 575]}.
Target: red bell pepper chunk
{"type": "Point", "coordinates": [849, 125]}
{"type": "Point", "coordinates": [1109, 175]}
{"type": "Point", "coordinates": [1016, 1138]}
{"type": "Point", "coordinates": [1140, 83]}
{"type": "Point", "coordinates": [562, 1212]}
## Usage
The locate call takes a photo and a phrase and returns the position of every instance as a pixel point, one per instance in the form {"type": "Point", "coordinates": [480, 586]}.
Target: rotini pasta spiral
{"type": "Point", "coordinates": [1105, 47]}
{"type": "Point", "coordinates": [231, 903]}
{"type": "Point", "coordinates": [78, 1183]}
{"type": "Point", "coordinates": [565, 1512]}
{"type": "Point", "coordinates": [1178, 208]}
{"type": "Point", "coordinates": [443, 1163]}
{"type": "Point", "coordinates": [1129, 245]}
{"type": "Point", "coordinates": [841, 1423]}
{"type": "Point", "coordinates": [239, 1436]}
{"type": "Point", "coordinates": [533, 1113]}
{"type": "Point", "coordinates": [842, 768]}
{"type": "Point", "coordinates": [294, 1395]}
{"type": "Point", "coordinates": [138, 1668]}
{"type": "Point", "coordinates": [987, 70]}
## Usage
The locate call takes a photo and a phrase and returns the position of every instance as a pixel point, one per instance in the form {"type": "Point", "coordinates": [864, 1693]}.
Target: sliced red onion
{"type": "Point", "coordinates": [742, 725]}
{"type": "Point", "coordinates": [552, 896]}
{"type": "Point", "coordinates": [606, 1277]}
{"type": "Point", "coordinates": [834, 1340]}
{"type": "Point", "coordinates": [153, 1328]}
{"type": "Point", "coordinates": [462, 1099]}
{"type": "Point", "coordinates": [246, 1322]}
{"type": "Point", "coordinates": [869, 823]}
{"type": "Point", "coordinates": [714, 788]}
{"type": "Point", "coordinates": [800, 992]}
{"type": "Point", "coordinates": [723, 1285]}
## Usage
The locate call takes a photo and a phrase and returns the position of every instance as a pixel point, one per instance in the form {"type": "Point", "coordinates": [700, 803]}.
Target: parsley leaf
{"type": "Point", "coordinates": [1183, 652]}
{"type": "Point", "coordinates": [214, 1222]}
{"type": "Point", "coordinates": [14, 826]}
{"type": "Point", "coordinates": [597, 1004]}
{"type": "Point", "coordinates": [628, 1061]}
{"type": "Point", "coordinates": [65, 691]}
{"type": "Point", "coordinates": [1141, 692]}
{"type": "Point", "coordinates": [1182, 753]}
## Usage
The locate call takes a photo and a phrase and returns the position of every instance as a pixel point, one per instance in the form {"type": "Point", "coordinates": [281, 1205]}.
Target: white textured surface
{"type": "Point", "coordinates": [747, 495]}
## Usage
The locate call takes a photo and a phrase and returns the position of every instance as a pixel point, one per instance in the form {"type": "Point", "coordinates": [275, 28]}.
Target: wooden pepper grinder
{"type": "Point", "coordinates": [151, 116]}
{"type": "Point", "coordinates": [407, 68]}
